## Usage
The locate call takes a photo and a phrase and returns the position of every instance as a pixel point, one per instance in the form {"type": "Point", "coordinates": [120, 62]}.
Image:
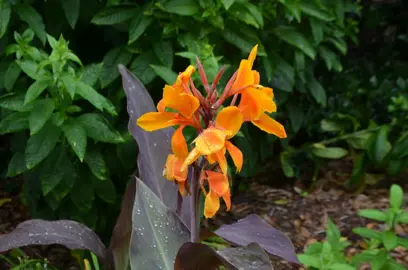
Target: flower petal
{"type": "Point", "coordinates": [270, 125]}
{"type": "Point", "coordinates": [185, 75]}
{"type": "Point", "coordinates": [157, 120]}
{"type": "Point", "coordinates": [236, 155]}
{"type": "Point", "coordinates": [263, 98]}
{"type": "Point", "coordinates": [179, 144]}
{"type": "Point", "coordinates": [218, 182]}
{"type": "Point", "coordinates": [175, 98]}
{"type": "Point", "coordinates": [210, 141]}
{"type": "Point", "coordinates": [227, 199]}
{"type": "Point", "coordinates": [222, 161]}
{"type": "Point", "coordinates": [252, 55]}
{"type": "Point", "coordinates": [161, 107]}
{"type": "Point", "coordinates": [257, 77]}
{"type": "Point", "coordinates": [183, 188]}
{"type": "Point", "coordinates": [172, 169]}
{"type": "Point", "coordinates": [248, 107]}
{"type": "Point", "coordinates": [244, 77]}
{"type": "Point", "coordinates": [211, 204]}
{"type": "Point", "coordinates": [229, 119]}
{"type": "Point", "coordinates": [192, 156]}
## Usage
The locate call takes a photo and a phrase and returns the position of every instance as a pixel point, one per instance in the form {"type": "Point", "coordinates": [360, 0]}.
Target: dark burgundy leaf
{"type": "Point", "coordinates": [68, 233]}
{"type": "Point", "coordinates": [251, 256]}
{"type": "Point", "coordinates": [120, 241]}
{"type": "Point", "coordinates": [153, 146]}
{"type": "Point", "coordinates": [157, 233]}
{"type": "Point", "coordinates": [253, 229]}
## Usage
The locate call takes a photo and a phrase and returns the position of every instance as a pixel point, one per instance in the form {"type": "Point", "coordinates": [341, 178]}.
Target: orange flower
{"type": "Point", "coordinates": [256, 99]}
{"type": "Point", "coordinates": [213, 142]}
{"type": "Point", "coordinates": [176, 98]}
{"type": "Point", "coordinates": [218, 187]}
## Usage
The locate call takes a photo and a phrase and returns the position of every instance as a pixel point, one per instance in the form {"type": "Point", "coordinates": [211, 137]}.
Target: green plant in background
{"type": "Point", "coordinates": [19, 260]}
{"type": "Point", "coordinates": [381, 243]}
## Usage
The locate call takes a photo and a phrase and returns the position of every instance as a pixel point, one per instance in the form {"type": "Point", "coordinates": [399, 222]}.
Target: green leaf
{"type": "Point", "coordinates": [96, 164]}
{"type": "Point", "coordinates": [373, 214]}
{"type": "Point", "coordinates": [114, 15]}
{"type": "Point", "coordinates": [16, 165]}
{"type": "Point", "coordinates": [167, 74]}
{"type": "Point", "coordinates": [14, 102]}
{"type": "Point", "coordinates": [30, 68]}
{"type": "Point", "coordinates": [76, 137]}
{"type": "Point", "coordinates": [286, 167]}
{"type": "Point", "coordinates": [71, 10]}
{"type": "Point", "coordinates": [333, 234]}
{"type": "Point", "coordinates": [403, 218]}
{"type": "Point", "coordinates": [367, 233]}
{"type": "Point", "coordinates": [5, 14]}
{"type": "Point", "coordinates": [294, 8]}
{"type": "Point", "coordinates": [317, 27]}
{"type": "Point", "coordinates": [309, 260]}
{"type": "Point", "coordinates": [138, 26]}
{"type": "Point", "coordinates": [40, 145]}
{"type": "Point", "coordinates": [141, 67]}
{"type": "Point", "coordinates": [284, 74]}
{"type": "Point", "coordinates": [389, 240]}
{"type": "Point", "coordinates": [331, 59]}
{"type": "Point", "coordinates": [244, 39]}
{"type": "Point", "coordinates": [396, 196]}
{"type": "Point", "coordinates": [111, 61]}
{"type": "Point", "coordinates": [339, 43]}
{"type": "Point", "coordinates": [40, 114]}
{"type": "Point", "coordinates": [400, 147]}
{"type": "Point", "coordinates": [13, 123]}
{"type": "Point", "coordinates": [105, 190]}
{"type": "Point", "coordinates": [34, 20]}
{"type": "Point", "coordinates": [227, 3]}
{"type": "Point", "coordinates": [248, 13]}
{"type": "Point", "coordinates": [164, 52]}
{"type": "Point", "coordinates": [341, 266]}
{"type": "Point", "coordinates": [98, 128]}
{"type": "Point", "coordinates": [329, 152]}
{"type": "Point", "coordinates": [52, 172]}
{"type": "Point", "coordinates": [312, 10]}
{"type": "Point", "coordinates": [291, 36]}
{"type": "Point", "coordinates": [182, 7]}
{"type": "Point", "coordinates": [379, 146]}
{"type": "Point", "coordinates": [11, 75]}
{"type": "Point", "coordinates": [295, 116]}
{"type": "Point", "coordinates": [82, 195]}
{"type": "Point", "coordinates": [91, 73]}
{"type": "Point", "coordinates": [96, 99]}
{"type": "Point", "coordinates": [36, 89]}
{"type": "Point", "coordinates": [69, 83]}
{"type": "Point", "coordinates": [329, 126]}
{"type": "Point", "coordinates": [317, 91]}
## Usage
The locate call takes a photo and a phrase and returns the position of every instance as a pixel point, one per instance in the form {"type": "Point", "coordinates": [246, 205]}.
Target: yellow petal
{"type": "Point", "coordinates": [257, 77]}
{"type": "Point", "coordinates": [161, 107]}
{"type": "Point", "coordinates": [185, 75]}
{"type": "Point", "coordinates": [210, 141]}
{"type": "Point", "coordinates": [235, 154]}
{"type": "Point", "coordinates": [222, 161]}
{"type": "Point", "coordinates": [172, 169]}
{"type": "Point", "coordinates": [263, 98]}
{"type": "Point", "coordinates": [244, 77]}
{"type": "Point", "coordinates": [192, 156]}
{"type": "Point", "coordinates": [175, 98]}
{"type": "Point", "coordinates": [248, 107]}
{"type": "Point", "coordinates": [156, 120]}
{"type": "Point", "coordinates": [252, 55]}
{"type": "Point", "coordinates": [211, 204]}
{"type": "Point", "coordinates": [218, 182]}
{"type": "Point", "coordinates": [270, 125]}
{"type": "Point", "coordinates": [227, 199]}
{"type": "Point", "coordinates": [229, 119]}
{"type": "Point", "coordinates": [179, 144]}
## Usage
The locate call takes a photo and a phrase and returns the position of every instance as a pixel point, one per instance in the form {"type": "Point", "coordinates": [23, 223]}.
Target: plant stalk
{"type": "Point", "coordinates": [195, 207]}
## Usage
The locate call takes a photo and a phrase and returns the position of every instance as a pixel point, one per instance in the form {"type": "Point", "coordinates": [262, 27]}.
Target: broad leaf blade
{"type": "Point", "coordinates": [153, 146]}
{"type": "Point", "coordinates": [68, 233]}
{"type": "Point", "coordinates": [157, 232]}
{"type": "Point", "coordinates": [251, 256]}
{"type": "Point", "coordinates": [254, 229]}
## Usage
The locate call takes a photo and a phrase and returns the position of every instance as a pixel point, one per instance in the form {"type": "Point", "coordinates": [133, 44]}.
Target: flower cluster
{"type": "Point", "coordinates": [184, 105]}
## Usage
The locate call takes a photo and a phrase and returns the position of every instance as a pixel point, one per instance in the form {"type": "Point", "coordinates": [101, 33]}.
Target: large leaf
{"type": "Point", "coordinates": [98, 128]}
{"type": "Point", "coordinates": [157, 232]}
{"type": "Point", "coordinates": [111, 61]}
{"type": "Point", "coordinates": [153, 146]}
{"type": "Point", "coordinates": [76, 137]}
{"type": "Point", "coordinates": [5, 14]}
{"type": "Point", "coordinates": [68, 233]}
{"type": "Point", "coordinates": [114, 15]}
{"type": "Point", "coordinates": [87, 92]}
{"type": "Point", "coordinates": [291, 36]}
{"type": "Point", "coordinates": [40, 114]}
{"type": "Point", "coordinates": [182, 7]}
{"type": "Point", "coordinates": [167, 74]}
{"type": "Point", "coordinates": [329, 152]}
{"type": "Point", "coordinates": [34, 20]}
{"type": "Point", "coordinates": [248, 257]}
{"type": "Point", "coordinates": [253, 229]}
{"type": "Point", "coordinates": [312, 10]}
{"type": "Point", "coordinates": [379, 145]}
{"type": "Point", "coordinates": [71, 10]}
{"type": "Point", "coordinates": [138, 26]}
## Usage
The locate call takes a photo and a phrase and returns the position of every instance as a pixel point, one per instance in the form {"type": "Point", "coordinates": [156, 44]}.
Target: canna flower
{"type": "Point", "coordinates": [218, 187]}
{"type": "Point", "coordinates": [213, 141]}
{"type": "Point", "coordinates": [256, 100]}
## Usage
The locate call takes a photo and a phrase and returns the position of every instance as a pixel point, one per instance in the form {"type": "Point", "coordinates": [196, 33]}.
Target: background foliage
{"type": "Point", "coordinates": [63, 112]}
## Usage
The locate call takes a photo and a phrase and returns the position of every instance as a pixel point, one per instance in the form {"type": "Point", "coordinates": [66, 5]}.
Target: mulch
{"type": "Point", "coordinates": [302, 218]}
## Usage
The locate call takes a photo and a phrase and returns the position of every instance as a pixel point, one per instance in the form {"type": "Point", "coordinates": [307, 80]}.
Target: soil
{"type": "Point", "coordinates": [302, 218]}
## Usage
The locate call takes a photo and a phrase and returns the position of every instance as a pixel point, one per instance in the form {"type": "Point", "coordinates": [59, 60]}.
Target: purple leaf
{"type": "Point", "coordinates": [120, 241]}
{"type": "Point", "coordinates": [253, 229]}
{"type": "Point", "coordinates": [157, 233]}
{"type": "Point", "coordinates": [153, 146]}
{"type": "Point", "coordinates": [68, 233]}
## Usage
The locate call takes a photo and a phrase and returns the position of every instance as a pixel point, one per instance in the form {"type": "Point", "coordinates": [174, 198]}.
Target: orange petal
{"type": "Point", "coordinates": [172, 169]}
{"type": "Point", "coordinates": [156, 120]}
{"type": "Point", "coordinates": [183, 188]}
{"type": "Point", "coordinates": [185, 75]}
{"type": "Point", "coordinates": [175, 98]}
{"type": "Point", "coordinates": [229, 119]}
{"type": "Point", "coordinates": [263, 98]}
{"type": "Point", "coordinates": [211, 204]}
{"type": "Point", "coordinates": [210, 141]}
{"type": "Point", "coordinates": [218, 182]}
{"type": "Point", "coordinates": [222, 161]}
{"type": "Point", "coordinates": [179, 144]}
{"type": "Point", "coordinates": [213, 157]}
{"type": "Point", "coordinates": [270, 125]}
{"type": "Point", "coordinates": [236, 155]}
{"type": "Point", "coordinates": [192, 156]}
{"type": "Point", "coordinates": [248, 107]}
{"type": "Point", "coordinates": [161, 107]}
{"type": "Point", "coordinates": [244, 77]}
{"type": "Point", "coordinates": [227, 199]}
{"type": "Point", "coordinates": [257, 77]}
{"type": "Point", "coordinates": [252, 55]}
